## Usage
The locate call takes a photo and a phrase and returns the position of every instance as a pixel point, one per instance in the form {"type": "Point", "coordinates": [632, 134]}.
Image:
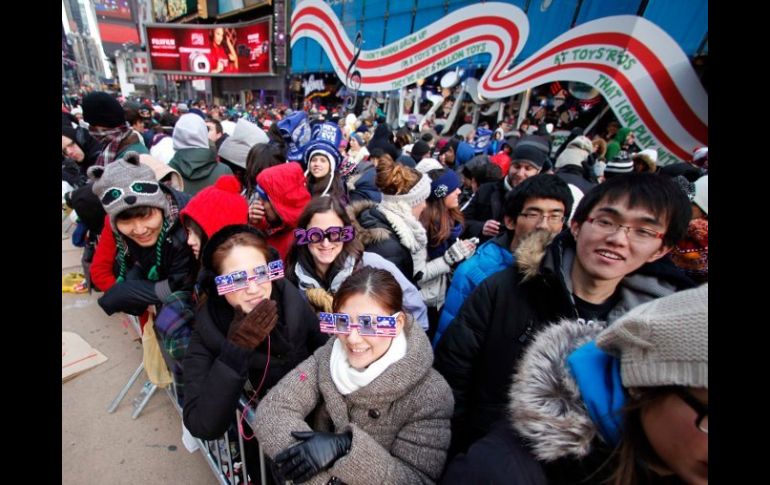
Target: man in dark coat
{"type": "Point", "coordinates": [592, 271]}
{"type": "Point", "coordinates": [484, 214]}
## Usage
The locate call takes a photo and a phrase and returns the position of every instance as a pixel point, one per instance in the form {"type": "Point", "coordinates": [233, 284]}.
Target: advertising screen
{"type": "Point", "coordinates": [214, 50]}
{"type": "Point", "coordinates": [113, 9]}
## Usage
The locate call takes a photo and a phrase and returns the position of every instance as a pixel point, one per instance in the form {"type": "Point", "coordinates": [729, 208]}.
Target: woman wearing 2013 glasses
{"type": "Point", "coordinates": [251, 325]}
{"type": "Point", "coordinates": [326, 251]}
{"type": "Point", "coordinates": [377, 411]}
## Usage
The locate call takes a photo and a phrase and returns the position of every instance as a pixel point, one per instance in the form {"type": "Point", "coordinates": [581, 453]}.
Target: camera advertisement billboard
{"type": "Point", "coordinates": [212, 50]}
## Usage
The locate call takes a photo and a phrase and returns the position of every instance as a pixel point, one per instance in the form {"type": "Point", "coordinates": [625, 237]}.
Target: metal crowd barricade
{"type": "Point", "coordinates": [217, 453]}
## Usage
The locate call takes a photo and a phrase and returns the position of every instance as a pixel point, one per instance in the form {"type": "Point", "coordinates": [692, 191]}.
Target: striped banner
{"type": "Point", "coordinates": [641, 71]}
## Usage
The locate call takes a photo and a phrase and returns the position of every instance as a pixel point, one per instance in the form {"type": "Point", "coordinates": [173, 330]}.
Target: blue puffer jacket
{"type": "Point", "coordinates": [465, 152]}
{"type": "Point", "coordinates": [492, 256]}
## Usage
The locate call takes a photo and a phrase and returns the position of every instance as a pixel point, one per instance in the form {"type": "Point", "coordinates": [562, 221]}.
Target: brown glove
{"type": "Point", "coordinates": [248, 330]}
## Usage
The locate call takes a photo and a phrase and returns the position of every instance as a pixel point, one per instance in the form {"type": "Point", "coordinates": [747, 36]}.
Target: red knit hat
{"type": "Point", "coordinates": [218, 206]}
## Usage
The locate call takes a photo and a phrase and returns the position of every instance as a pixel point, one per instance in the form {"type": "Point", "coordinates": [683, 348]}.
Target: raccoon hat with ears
{"type": "Point", "coordinates": [126, 183]}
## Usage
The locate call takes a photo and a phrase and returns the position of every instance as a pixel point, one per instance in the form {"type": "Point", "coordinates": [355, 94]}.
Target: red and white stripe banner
{"type": "Point", "coordinates": [641, 71]}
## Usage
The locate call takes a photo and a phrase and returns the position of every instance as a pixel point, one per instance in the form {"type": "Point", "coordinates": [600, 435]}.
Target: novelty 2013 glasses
{"type": "Point", "coordinates": [316, 234]}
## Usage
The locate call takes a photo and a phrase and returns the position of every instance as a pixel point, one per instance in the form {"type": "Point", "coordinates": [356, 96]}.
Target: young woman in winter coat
{"type": "Point", "coordinates": [393, 230]}
{"type": "Point", "coordinates": [378, 412]}
{"type": "Point", "coordinates": [326, 251]}
{"type": "Point", "coordinates": [254, 333]}
{"type": "Point", "coordinates": [621, 405]}
{"type": "Point", "coordinates": [443, 222]}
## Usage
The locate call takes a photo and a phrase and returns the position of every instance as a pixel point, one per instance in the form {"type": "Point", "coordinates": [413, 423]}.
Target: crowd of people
{"type": "Point", "coordinates": [402, 307]}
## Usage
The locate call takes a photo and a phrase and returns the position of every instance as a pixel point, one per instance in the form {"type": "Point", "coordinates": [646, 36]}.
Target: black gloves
{"type": "Point", "coordinates": [317, 452]}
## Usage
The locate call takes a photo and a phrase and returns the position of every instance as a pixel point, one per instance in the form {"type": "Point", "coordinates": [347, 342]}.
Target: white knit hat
{"type": "Point", "coordinates": [414, 197]}
{"type": "Point", "coordinates": [663, 342]}
{"type": "Point", "coordinates": [701, 197]}
{"type": "Point", "coordinates": [576, 152]}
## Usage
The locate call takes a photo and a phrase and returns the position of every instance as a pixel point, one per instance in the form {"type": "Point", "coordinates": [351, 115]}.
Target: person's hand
{"type": "Point", "coordinates": [256, 212]}
{"type": "Point", "coordinates": [491, 228]}
{"type": "Point", "coordinates": [316, 452]}
{"type": "Point", "coordinates": [248, 330]}
{"type": "Point", "coordinates": [459, 251]}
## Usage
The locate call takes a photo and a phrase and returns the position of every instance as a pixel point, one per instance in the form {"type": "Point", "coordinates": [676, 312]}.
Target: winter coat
{"type": "Point", "coordinates": [613, 147]}
{"type": "Point", "coordinates": [176, 272]}
{"type": "Point", "coordinates": [362, 184]}
{"type": "Point", "coordinates": [285, 188]}
{"type": "Point", "coordinates": [492, 256]}
{"type": "Point", "coordinates": [377, 235]}
{"type": "Point", "coordinates": [478, 352]}
{"type": "Point", "coordinates": [486, 204]}
{"type": "Point", "coordinates": [548, 436]}
{"type": "Point", "coordinates": [399, 421]}
{"type": "Point", "coordinates": [383, 139]}
{"type": "Point", "coordinates": [199, 168]}
{"type": "Point", "coordinates": [502, 160]}
{"type": "Point", "coordinates": [464, 153]}
{"type": "Point", "coordinates": [215, 370]}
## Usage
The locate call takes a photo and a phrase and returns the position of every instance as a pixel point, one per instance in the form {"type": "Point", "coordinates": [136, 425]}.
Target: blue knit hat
{"type": "Point", "coordinates": [444, 185]}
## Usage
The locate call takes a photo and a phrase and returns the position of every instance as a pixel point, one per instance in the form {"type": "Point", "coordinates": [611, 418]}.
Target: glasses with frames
{"type": "Point", "coordinates": [701, 410]}
{"type": "Point", "coordinates": [367, 325]}
{"type": "Point", "coordinates": [316, 234]}
{"type": "Point", "coordinates": [239, 280]}
{"type": "Point", "coordinates": [634, 233]}
{"type": "Point", "coordinates": [537, 217]}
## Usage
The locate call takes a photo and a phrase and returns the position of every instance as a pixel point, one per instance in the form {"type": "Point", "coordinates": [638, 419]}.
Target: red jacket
{"type": "Point", "coordinates": [502, 160]}
{"type": "Point", "coordinates": [285, 187]}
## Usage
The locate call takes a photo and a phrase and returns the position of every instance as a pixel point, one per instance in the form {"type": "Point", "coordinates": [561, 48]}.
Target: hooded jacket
{"type": "Point", "coordinates": [198, 167]}
{"type": "Point", "coordinates": [399, 421]}
{"type": "Point", "coordinates": [548, 436]}
{"type": "Point", "coordinates": [479, 351]}
{"type": "Point", "coordinates": [286, 191]}
{"type": "Point", "coordinates": [362, 184]}
{"type": "Point", "coordinates": [616, 144]}
{"type": "Point", "coordinates": [492, 256]}
{"type": "Point", "coordinates": [215, 370]}
{"type": "Point", "coordinates": [176, 272]}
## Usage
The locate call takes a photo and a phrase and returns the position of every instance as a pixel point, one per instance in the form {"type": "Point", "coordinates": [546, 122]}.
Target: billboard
{"type": "Point", "coordinates": [213, 50]}
{"type": "Point", "coordinates": [169, 10]}
{"type": "Point", "coordinates": [113, 9]}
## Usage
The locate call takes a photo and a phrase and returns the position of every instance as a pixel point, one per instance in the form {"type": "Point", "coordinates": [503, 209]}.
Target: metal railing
{"type": "Point", "coordinates": [218, 453]}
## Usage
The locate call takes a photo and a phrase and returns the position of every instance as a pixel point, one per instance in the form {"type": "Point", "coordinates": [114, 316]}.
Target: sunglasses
{"type": "Point", "coordinates": [316, 235]}
{"type": "Point", "coordinates": [367, 325]}
{"type": "Point", "coordinates": [239, 280]}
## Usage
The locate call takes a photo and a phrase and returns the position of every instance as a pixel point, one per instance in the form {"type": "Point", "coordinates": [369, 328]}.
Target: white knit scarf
{"type": "Point", "coordinates": [348, 380]}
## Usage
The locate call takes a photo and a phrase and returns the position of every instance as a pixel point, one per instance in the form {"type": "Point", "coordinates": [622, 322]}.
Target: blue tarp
{"type": "Point", "coordinates": [384, 21]}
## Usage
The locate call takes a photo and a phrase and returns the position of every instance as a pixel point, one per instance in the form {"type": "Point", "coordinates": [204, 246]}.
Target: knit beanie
{"type": "Point", "coordinates": [618, 166]}
{"type": "Point", "coordinates": [126, 183]}
{"type": "Point", "coordinates": [444, 185]}
{"type": "Point", "coordinates": [663, 342]}
{"type": "Point", "coordinates": [359, 138]}
{"type": "Point", "coordinates": [701, 197]}
{"type": "Point", "coordinates": [428, 164]}
{"type": "Point", "coordinates": [101, 109]}
{"type": "Point", "coordinates": [245, 135]}
{"type": "Point", "coordinates": [576, 152]}
{"type": "Point", "coordinates": [691, 254]}
{"type": "Point", "coordinates": [190, 132]}
{"type": "Point", "coordinates": [529, 153]}
{"type": "Point", "coordinates": [419, 193]}
{"type": "Point", "coordinates": [217, 206]}
{"type": "Point", "coordinates": [419, 149]}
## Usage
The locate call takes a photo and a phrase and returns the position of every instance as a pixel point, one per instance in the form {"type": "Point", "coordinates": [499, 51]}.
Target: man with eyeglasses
{"type": "Point", "coordinates": [608, 262]}
{"type": "Point", "coordinates": [540, 203]}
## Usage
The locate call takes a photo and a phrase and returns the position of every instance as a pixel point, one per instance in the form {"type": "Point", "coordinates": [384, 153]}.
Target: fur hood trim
{"type": "Point", "coordinates": [367, 236]}
{"type": "Point", "coordinates": [531, 251]}
{"type": "Point", "coordinates": [545, 406]}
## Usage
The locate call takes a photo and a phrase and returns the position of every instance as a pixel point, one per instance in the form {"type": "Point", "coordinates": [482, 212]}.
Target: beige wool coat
{"type": "Point", "coordinates": [399, 421]}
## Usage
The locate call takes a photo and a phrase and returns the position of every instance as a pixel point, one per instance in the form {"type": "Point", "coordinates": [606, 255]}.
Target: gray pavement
{"type": "Point", "coordinates": [98, 447]}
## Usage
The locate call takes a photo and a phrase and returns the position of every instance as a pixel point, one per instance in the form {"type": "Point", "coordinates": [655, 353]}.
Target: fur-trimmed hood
{"type": "Point", "coordinates": [545, 407]}
{"type": "Point", "coordinates": [370, 227]}
{"type": "Point", "coordinates": [530, 252]}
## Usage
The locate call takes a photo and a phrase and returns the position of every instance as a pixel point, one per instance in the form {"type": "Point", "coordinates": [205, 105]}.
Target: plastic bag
{"type": "Point", "coordinates": [154, 365]}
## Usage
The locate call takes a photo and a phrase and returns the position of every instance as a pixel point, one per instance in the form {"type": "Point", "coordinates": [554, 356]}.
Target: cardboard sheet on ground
{"type": "Point", "coordinates": [77, 356]}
